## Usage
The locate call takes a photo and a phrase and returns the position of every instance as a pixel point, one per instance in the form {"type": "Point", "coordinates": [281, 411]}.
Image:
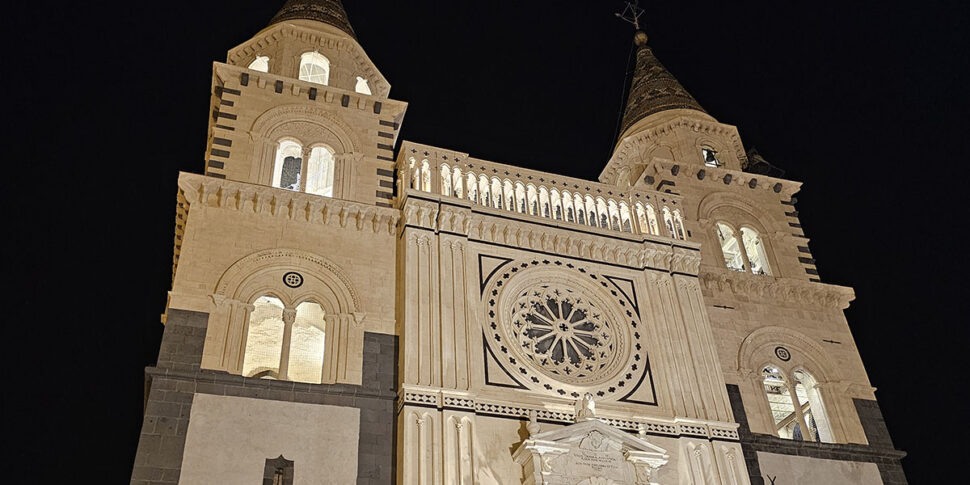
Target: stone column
{"type": "Point", "coordinates": [289, 316]}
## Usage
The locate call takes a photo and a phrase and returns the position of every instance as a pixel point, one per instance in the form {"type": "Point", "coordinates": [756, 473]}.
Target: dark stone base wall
{"type": "Point", "coordinates": [178, 377]}
{"type": "Point", "coordinates": [879, 451]}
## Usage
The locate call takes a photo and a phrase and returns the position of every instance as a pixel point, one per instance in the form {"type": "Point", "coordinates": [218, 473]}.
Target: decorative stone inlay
{"type": "Point", "coordinates": [783, 354]}
{"type": "Point", "coordinates": [595, 347]}
{"type": "Point", "coordinates": [293, 279]}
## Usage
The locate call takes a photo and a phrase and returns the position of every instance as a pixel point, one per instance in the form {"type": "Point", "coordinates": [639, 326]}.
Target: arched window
{"type": "Point", "coordinates": [544, 201]}
{"type": "Point", "coordinates": [264, 339]}
{"type": "Point", "coordinates": [509, 195]}
{"type": "Point", "coordinates": [496, 193]}
{"type": "Point", "coordinates": [591, 218]}
{"type": "Point", "coordinates": [484, 193]}
{"type": "Point", "coordinates": [580, 208]}
{"type": "Point", "coordinates": [641, 218]}
{"type": "Point", "coordinates": [556, 204]}
{"type": "Point", "coordinates": [520, 200]}
{"type": "Point", "coordinates": [415, 174]}
{"type": "Point", "coordinates": [320, 172]}
{"type": "Point", "coordinates": [625, 217]}
{"type": "Point", "coordinates": [679, 226]}
{"type": "Point", "coordinates": [614, 213]}
{"type": "Point", "coordinates": [472, 185]}
{"type": "Point", "coordinates": [362, 86]}
{"type": "Point", "coordinates": [783, 413]}
{"type": "Point", "coordinates": [652, 220]}
{"type": "Point", "coordinates": [669, 222]}
{"type": "Point", "coordinates": [730, 247]}
{"type": "Point", "coordinates": [813, 410]}
{"type": "Point", "coordinates": [314, 68]}
{"type": "Point", "coordinates": [456, 183]}
{"type": "Point", "coordinates": [533, 196]}
{"type": "Point", "coordinates": [796, 405]}
{"type": "Point", "coordinates": [260, 63]}
{"type": "Point", "coordinates": [603, 213]}
{"type": "Point", "coordinates": [425, 176]}
{"type": "Point", "coordinates": [307, 338]}
{"type": "Point", "coordinates": [755, 250]}
{"type": "Point", "coordinates": [567, 203]}
{"type": "Point", "coordinates": [445, 180]}
{"type": "Point", "coordinates": [289, 165]}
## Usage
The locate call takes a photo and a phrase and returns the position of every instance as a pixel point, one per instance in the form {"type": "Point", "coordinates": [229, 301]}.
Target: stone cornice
{"type": "Point", "coordinates": [720, 176]}
{"type": "Point", "coordinates": [772, 290]}
{"type": "Point", "coordinates": [533, 233]}
{"type": "Point", "coordinates": [296, 206]}
{"type": "Point", "coordinates": [277, 33]}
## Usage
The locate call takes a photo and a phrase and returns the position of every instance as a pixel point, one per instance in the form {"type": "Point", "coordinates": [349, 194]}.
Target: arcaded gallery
{"type": "Point", "coordinates": [347, 307]}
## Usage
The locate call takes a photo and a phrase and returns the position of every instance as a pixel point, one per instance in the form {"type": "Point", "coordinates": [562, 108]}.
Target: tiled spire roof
{"type": "Point", "coordinates": [330, 12]}
{"type": "Point", "coordinates": [653, 88]}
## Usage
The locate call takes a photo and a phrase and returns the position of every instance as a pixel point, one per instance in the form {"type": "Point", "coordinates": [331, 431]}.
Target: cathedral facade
{"type": "Point", "coordinates": [347, 307]}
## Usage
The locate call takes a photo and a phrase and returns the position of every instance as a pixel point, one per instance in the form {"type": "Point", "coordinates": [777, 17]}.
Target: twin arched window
{"type": "Point", "coordinates": [738, 253]}
{"type": "Point", "coordinates": [796, 405]}
{"type": "Point", "coordinates": [314, 68]}
{"type": "Point", "coordinates": [313, 177]}
{"type": "Point", "coordinates": [284, 343]}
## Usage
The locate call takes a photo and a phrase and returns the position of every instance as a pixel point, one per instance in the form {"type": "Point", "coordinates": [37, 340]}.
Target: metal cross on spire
{"type": "Point", "coordinates": [631, 14]}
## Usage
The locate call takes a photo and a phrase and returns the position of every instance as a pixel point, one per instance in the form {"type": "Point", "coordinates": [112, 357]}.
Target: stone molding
{"type": "Point", "coordinates": [297, 206]}
{"type": "Point", "coordinates": [563, 413]}
{"type": "Point", "coordinates": [770, 289]}
{"type": "Point", "coordinates": [518, 231]}
{"type": "Point", "coordinates": [246, 266]}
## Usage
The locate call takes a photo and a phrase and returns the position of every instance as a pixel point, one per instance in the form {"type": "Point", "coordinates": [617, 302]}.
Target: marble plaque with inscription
{"type": "Point", "coordinates": [589, 453]}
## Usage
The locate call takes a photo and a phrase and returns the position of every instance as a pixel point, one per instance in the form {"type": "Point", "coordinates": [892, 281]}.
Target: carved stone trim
{"type": "Point", "coordinates": [772, 290]}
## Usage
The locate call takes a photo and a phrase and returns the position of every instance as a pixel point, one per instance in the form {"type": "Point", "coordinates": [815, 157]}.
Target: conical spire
{"type": "Point", "coordinates": [330, 12]}
{"type": "Point", "coordinates": [653, 88]}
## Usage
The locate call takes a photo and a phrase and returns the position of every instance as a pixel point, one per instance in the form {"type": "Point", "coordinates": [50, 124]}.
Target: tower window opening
{"type": "Point", "coordinates": [288, 167]}
{"type": "Point", "coordinates": [320, 172]}
{"type": "Point", "coordinates": [730, 247]}
{"type": "Point", "coordinates": [710, 157]}
{"type": "Point", "coordinates": [796, 405]}
{"type": "Point", "coordinates": [754, 248]}
{"type": "Point", "coordinates": [285, 344]}
{"type": "Point", "coordinates": [260, 63]}
{"type": "Point", "coordinates": [314, 68]}
{"type": "Point", "coordinates": [362, 86]}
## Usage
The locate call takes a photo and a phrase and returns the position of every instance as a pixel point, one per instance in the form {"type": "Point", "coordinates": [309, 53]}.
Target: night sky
{"type": "Point", "coordinates": [865, 104]}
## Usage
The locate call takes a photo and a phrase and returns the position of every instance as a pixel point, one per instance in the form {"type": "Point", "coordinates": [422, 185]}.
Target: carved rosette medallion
{"type": "Point", "coordinates": [563, 329]}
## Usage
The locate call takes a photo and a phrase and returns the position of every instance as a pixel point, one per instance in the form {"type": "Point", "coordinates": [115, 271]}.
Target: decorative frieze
{"type": "Point", "coordinates": [771, 289]}
{"type": "Point", "coordinates": [483, 406]}
{"type": "Point", "coordinates": [297, 206]}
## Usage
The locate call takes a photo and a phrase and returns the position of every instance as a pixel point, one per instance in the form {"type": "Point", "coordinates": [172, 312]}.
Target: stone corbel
{"type": "Point", "coordinates": [646, 464]}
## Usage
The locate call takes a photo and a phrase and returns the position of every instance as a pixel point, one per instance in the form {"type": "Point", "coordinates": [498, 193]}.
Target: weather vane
{"type": "Point", "coordinates": [631, 14]}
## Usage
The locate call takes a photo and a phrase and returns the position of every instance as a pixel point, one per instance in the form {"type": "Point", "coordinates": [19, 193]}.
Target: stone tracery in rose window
{"type": "Point", "coordinates": [562, 332]}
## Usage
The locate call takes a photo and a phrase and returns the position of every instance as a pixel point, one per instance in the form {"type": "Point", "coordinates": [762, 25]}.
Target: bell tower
{"type": "Point", "coordinates": [277, 362]}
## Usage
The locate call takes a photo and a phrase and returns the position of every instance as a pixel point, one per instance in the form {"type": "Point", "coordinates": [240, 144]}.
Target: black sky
{"type": "Point", "coordinates": [863, 102]}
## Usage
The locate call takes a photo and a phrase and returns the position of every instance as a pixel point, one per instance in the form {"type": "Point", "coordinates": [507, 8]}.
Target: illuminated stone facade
{"type": "Point", "coordinates": [342, 312]}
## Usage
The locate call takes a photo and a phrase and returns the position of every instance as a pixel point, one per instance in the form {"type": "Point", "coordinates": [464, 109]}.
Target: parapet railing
{"type": "Point", "coordinates": [542, 194]}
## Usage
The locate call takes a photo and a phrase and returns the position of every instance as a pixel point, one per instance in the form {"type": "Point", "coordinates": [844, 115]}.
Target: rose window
{"type": "Point", "coordinates": [562, 332]}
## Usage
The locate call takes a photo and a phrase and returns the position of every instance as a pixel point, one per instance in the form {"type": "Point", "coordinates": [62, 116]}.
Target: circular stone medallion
{"type": "Point", "coordinates": [293, 279]}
